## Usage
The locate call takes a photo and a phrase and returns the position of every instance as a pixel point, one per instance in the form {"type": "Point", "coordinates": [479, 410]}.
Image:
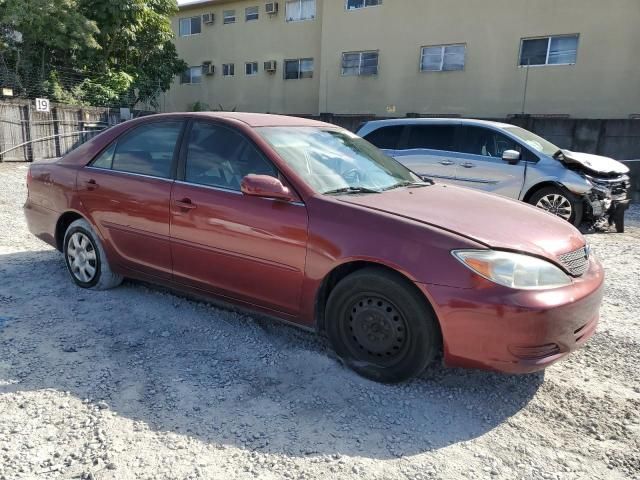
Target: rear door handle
{"type": "Point", "coordinates": [468, 165]}
{"type": "Point", "coordinates": [446, 162]}
{"type": "Point", "coordinates": [185, 204]}
{"type": "Point", "coordinates": [91, 184]}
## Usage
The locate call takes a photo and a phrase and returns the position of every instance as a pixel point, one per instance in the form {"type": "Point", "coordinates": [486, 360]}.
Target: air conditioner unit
{"type": "Point", "coordinates": [270, 66]}
{"type": "Point", "coordinates": [208, 18]}
{"type": "Point", "coordinates": [208, 68]}
{"type": "Point", "coordinates": [271, 8]}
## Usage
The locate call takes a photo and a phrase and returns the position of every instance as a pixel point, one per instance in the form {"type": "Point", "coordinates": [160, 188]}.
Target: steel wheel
{"type": "Point", "coordinates": [557, 204]}
{"type": "Point", "coordinates": [376, 331]}
{"type": "Point", "coordinates": [81, 255]}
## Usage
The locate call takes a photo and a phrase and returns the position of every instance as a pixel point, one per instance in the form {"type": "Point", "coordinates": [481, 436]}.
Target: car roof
{"type": "Point", "coordinates": [375, 124]}
{"type": "Point", "coordinates": [250, 119]}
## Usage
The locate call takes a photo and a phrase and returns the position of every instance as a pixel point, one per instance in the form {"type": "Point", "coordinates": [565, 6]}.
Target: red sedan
{"type": "Point", "coordinates": [307, 222]}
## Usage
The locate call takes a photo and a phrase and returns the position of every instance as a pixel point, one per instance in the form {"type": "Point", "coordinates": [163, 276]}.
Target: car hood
{"type": "Point", "coordinates": [594, 163]}
{"type": "Point", "coordinates": [492, 220]}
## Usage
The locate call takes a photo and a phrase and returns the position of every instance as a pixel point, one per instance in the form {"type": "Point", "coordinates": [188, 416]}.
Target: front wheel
{"type": "Point", "coordinates": [559, 202]}
{"type": "Point", "coordinates": [381, 327]}
{"type": "Point", "coordinates": [85, 258]}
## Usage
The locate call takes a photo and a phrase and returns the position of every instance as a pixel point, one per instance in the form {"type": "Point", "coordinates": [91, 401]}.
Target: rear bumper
{"type": "Point", "coordinates": [41, 222]}
{"type": "Point", "coordinates": [496, 328]}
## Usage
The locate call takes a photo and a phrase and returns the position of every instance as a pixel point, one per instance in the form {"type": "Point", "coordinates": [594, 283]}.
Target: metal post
{"type": "Point", "coordinates": [526, 85]}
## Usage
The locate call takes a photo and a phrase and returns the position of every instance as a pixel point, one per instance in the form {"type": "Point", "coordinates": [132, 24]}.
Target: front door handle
{"type": "Point", "coordinates": [185, 204]}
{"type": "Point", "coordinates": [91, 184]}
{"type": "Point", "coordinates": [446, 162]}
{"type": "Point", "coordinates": [468, 165]}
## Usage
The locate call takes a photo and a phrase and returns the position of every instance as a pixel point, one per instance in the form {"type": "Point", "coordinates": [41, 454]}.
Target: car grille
{"type": "Point", "coordinates": [576, 262]}
{"type": "Point", "coordinates": [618, 187]}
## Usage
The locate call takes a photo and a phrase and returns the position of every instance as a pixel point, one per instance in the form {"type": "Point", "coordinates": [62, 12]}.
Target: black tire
{"type": "Point", "coordinates": [577, 206]}
{"type": "Point", "coordinates": [95, 271]}
{"type": "Point", "coordinates": [381, 326]}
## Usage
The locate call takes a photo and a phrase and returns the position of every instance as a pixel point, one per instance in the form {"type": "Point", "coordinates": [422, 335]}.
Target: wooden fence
{"type": "Point", "coordinates": [27, 135]}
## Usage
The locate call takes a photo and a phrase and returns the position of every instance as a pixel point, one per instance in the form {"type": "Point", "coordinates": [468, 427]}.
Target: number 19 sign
{"type": "Point", "coordinates": [42, 104]}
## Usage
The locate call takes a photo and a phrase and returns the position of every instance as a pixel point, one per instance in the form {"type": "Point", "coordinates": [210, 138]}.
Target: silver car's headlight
{"type": "Point", "coordinates": [513, 270]}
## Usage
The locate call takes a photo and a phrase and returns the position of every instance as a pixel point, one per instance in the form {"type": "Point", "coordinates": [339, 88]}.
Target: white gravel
{"type": "Point", "coordinates": [138, 383]}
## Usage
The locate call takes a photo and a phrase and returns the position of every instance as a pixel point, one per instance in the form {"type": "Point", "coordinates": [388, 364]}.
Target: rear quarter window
{"type": "Point", "coordinates": [385, 137]}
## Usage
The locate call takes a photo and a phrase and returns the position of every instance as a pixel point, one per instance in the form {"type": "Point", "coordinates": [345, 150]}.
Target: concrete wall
{"type": "Point", "coordinates": [268, 38]}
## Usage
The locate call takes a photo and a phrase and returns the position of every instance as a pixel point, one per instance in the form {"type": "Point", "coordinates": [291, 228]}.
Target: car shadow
{"type": "Point", "coordinates": [224, 377]}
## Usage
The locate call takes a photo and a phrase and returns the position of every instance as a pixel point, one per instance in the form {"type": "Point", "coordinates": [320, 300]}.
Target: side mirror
{"type": "Point", "coordinates": [265, 186]}
{"type": "Point", "coordinates": [511, 156]}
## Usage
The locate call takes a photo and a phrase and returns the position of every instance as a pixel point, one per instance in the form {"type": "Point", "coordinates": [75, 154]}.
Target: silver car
{"type": "Point", "coordinates": [510, 161]}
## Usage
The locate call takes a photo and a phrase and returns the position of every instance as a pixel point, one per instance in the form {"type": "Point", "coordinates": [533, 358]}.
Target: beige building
{"type": "Point", "coordinates": [480, 58]}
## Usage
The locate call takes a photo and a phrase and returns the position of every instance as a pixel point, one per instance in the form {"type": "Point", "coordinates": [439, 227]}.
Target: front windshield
{"type": "Point", "coordinates": [533, 140]}
{"type": "Point", "coordinates": [336, 161]}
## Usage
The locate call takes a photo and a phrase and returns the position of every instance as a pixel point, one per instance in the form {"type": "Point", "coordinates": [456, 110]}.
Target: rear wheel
{"type": "Point", "coordinates": [85, 258]}
{"type": "Point", "coordinates": [560, 202]}
{"type": "Point", "coordinates": [381, 327]}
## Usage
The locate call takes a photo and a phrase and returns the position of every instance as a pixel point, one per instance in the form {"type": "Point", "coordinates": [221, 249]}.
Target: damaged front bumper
{"type": "Point", "coordinates": [607, 201]}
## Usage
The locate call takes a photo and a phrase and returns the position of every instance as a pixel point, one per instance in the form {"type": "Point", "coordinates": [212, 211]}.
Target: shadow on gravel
{"type": "Point", "coordinates": [222, 377]}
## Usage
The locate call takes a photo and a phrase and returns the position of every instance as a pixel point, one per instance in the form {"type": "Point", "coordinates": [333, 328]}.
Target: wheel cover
{"type": "Point", "coordinates": [81, 257]}
{"type": "Point", "coordinates": [557, 204]}
{"type": "Point", "coordinates": [375, 330]}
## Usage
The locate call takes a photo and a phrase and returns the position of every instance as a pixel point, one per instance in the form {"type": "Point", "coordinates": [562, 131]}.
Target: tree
{"type": "Point", "coordinates": [90, 51]}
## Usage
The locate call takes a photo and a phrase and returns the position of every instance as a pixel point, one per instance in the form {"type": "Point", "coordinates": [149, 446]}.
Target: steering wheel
{"type": "Point", "coordinates": [352, 176]}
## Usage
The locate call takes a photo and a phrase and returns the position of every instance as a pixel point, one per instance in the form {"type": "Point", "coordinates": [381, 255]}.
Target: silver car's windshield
{"type": "Point", "coordinates": [337, 161]}
{"type": "Point", "coordinates": [533, 140]}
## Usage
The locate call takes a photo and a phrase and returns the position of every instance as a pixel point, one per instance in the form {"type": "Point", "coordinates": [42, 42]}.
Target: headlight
{"type": "Point", "coordinates": [513, 269]}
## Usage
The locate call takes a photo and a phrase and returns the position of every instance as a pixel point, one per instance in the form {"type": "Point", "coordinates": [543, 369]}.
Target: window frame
{"type": "Point", "coordinates": [225, 17]}
{"type": "Point", "coordinates": [251, 74]}
{"type": "Point", "coordinates": [233, 69]}
{"type": "Point", "coordinates": [176, 149]}
{"type": "Point", "coordinates": [199, 17]}
{"type": "Point", "coordinates": [299, 71]}
{"type": "Point", "coordinates": [346, 5]}
{"type": "Point", "coordinates": [257, 13]}
{"type": "Point", "coordinates": [305, 19]}
{"type": "Point", "coordinates": [181, 164]}
{"type": "Point", "coordinates": [443, 49]}
{"type": "Point", "coordinates": [190, 70]}
{"type": "Point", "coordinates": [549, 39]}
{"type": "Point", "coordinates": [360, 74]}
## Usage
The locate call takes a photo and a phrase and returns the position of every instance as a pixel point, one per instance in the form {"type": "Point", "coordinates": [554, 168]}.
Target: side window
{"type": "Point", "coordinates": [385, 137]}
{"type": "Point", "coordinates": [485, 142]}
{"type": "Point", "coordinates": [434, 137]}
{"type": "Point", "coordinates": [218, 156]}
{"type": "Point", "coordinates": [105, 159]}
{"type": "Point", "coordinates": [148, 149]}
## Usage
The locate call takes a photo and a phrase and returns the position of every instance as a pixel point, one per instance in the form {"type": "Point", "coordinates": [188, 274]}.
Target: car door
{"type": "Point", "coordinates": [126, 191]}
{"type": "Point", "coordinates": [428, 150]}
{"type": "Point", "coordinates": [481, 165]}
{"type": "Point", "coordinates": [247, 248]}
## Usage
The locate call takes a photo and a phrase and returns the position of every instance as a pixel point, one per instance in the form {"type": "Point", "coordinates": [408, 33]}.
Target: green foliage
{"type": "Point", "coordinates": [199, 106]}
{"type": "Point", "coordinates": [91, 51]}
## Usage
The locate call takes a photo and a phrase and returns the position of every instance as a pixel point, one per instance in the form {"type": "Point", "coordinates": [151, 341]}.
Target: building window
{"type": "Point", "coordinates": [192, 75]}
{"type": "Point", "coordinates": [360, 63]}
{"type": "Point", "coordinates": [297, 10]}
{"type": "Point", "coordinates": [190, 26]}
{"type": "Point", "coordinates": [228, 70]}
{"type": "Point", "coordinates": [251, 68]}
{"type": "Point", "coordinates": [229, 16]}
{"type": "Point", "coordinates": [298, 68]}
{"type": "Point", "coordinates": [251, 13]}
{"type": "Point", "coordinates": [556, 50]}
{"type": "Point", "coordinates": [442, 58]}
{"type": "Point", "coordinates": [355, 4]}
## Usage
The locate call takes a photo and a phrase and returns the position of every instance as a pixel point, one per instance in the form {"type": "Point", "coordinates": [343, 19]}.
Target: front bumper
{"type": "Point", "coordinates": [608, 201]}
{"type": "Point", "coordinates": [515, 331]}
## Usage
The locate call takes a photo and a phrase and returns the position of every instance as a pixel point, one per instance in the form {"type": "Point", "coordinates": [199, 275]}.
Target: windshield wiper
{"type": "Point", "coordinates": [410, 184]}
{"type": "Point", "coordinates": [351, 190]}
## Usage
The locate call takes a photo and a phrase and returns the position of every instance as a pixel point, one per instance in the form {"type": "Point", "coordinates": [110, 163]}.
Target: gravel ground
{"type": "Point", "coordinates": [140, 383]}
